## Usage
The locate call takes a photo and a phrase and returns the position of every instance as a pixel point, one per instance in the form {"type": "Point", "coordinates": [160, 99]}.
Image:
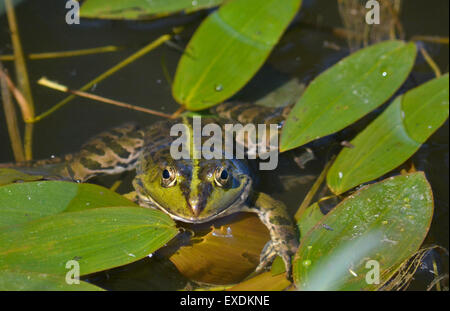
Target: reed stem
{"type": "Point", "coordinates": [11, 120]}
{"type": "Point", "coordinates": [21, 74]}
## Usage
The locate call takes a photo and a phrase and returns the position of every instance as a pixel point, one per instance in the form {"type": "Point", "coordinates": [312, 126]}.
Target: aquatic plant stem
{"type": "Point", "coordinates": [53, 85]}
{"type": "Point", "coordinates": [310, 195]}
{"type": "Point", "coordinates": [151, 46]}
{"type": "Point", "coordinates": [11, 120]}
{"type": "Point", "coordinates": [430, 61]}
{"type": "Point", "coordinates": [177, 113]}
{"type": "Point", "coordinates": [20, 98]}
{"type": "Point", "coordinates": [61, 54]}
{"type": "Point", "coordinates": [396, 24]}
{"type": "Point", "coordinates": [166, 71]}
{"type": "Point", "coordinates": [436, 272]}
{"type": "Point", "coordinates": [116, 185]}
{"type": "Point", "coordinates": [22, 76]}
{"type": "Point", "coordinates": [432, 39]}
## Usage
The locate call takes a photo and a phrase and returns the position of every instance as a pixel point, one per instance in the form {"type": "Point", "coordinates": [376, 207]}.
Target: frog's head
{"type": "Point", "coordinates": [193, 190]}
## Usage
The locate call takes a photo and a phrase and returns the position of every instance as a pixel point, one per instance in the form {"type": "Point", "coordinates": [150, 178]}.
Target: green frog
{"type": "Point", "coordinates": [189, 190]}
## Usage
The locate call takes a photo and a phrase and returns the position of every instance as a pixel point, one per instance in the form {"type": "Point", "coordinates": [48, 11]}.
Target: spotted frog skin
{"type": "Point", "coordinates": [189, 190]}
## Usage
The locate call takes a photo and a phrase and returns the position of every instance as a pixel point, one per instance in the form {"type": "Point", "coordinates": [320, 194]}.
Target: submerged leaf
{"type": "Point", "coordinates": [263, 282]}
{"type": "Point", "coordinates": [286, 94]}
{"type": "Point", "coordinates": [227, 253]}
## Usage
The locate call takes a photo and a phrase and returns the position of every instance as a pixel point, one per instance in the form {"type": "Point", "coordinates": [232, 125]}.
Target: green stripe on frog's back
{"type": "Point", "coordinates": [194, 155]}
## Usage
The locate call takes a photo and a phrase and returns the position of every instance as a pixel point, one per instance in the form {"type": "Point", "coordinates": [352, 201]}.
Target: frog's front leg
{"type": "Point", "coordinates": [283, 233]}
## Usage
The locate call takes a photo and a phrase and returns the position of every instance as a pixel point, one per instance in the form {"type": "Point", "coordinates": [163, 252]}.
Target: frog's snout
{"type": "Point", "coordinates": [196, 205]}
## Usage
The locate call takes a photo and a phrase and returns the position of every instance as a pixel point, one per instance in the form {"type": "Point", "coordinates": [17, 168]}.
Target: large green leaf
{"type": "Point", "coordinates": [347, 91]}
{"type": "Point", "coordinates": [99, 239]}
{"type": "Point", "coordinates": [141, 9]}
{"type": "Point", "coordinates": [23, 202]}
{"type": "Point", "coordinates": [228, 48]}
{"type": "Point", "coordinates": [385, 222]}
{"type": "Point", "coordinates": [36, 281]}
{"type": "Point", "coordinates": [393, 137]}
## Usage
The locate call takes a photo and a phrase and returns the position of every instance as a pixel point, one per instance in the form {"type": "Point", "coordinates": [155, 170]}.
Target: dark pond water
{"type": "Point", "coordinates": [301, 53]}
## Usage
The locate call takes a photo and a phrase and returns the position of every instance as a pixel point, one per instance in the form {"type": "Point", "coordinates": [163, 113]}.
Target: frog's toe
{"type": "Point", "coordinates": [268, 254]}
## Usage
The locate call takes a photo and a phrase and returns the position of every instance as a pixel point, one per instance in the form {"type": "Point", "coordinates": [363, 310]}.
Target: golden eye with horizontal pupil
{"type": "Point", "coordinates": [168, 177]}
{"type": "Point", "coordinates": [221, 176]}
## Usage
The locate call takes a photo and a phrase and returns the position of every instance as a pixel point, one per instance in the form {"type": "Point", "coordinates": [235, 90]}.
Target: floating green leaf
{"type": "Point", "coordinates": [347, 91]}
{"type": "Point", "coordinates": [24, 202]}
{"type": "Point", "coordinates": [141, 9]}
{"type": "Point", "coordinates": [37, 281]}
{"type": "Point", "coordinates": [228, 48]}
{"type": "Point", "coordinates": [393, 137]}
{"type": "Point", "coordinates": [98, 239]}
{"type": "Point", "coordinates": [9, 175]}
{"type": "Point", "coordinates": [382, 224]}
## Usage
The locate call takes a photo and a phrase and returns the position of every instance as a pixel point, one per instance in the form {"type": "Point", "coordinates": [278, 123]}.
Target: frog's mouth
{"type": "Point", "coordinates": [227, 210]}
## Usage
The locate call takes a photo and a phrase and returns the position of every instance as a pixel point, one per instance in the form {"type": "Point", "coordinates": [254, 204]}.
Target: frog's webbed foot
{"type": "Point", "coordinates": [267, 256]}
{"type": "Point", "coordinates": [270, 252]}
{"type": "Point", "coordinates": [284, 238]}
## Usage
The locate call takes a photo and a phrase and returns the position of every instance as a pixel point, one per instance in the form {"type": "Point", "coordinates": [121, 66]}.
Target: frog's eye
{"type": "Point", "coordinates": [221, 176]}
{"type": "Point", "coordinates": [168, 177]}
